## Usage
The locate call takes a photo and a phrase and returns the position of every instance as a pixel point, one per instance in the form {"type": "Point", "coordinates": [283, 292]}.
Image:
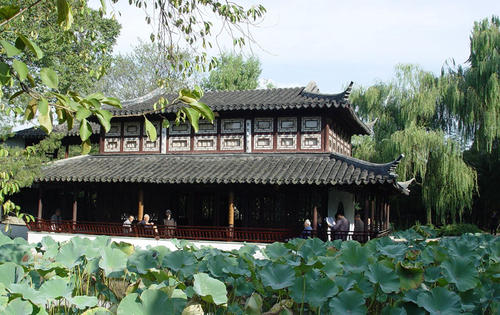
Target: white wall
{"type": "Point", "coordinates": [35, 237]}
{"type": "Point", "coordinates": [336, 196]}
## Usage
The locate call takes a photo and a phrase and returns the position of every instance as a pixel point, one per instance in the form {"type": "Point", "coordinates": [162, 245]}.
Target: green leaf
{"type": "Point", "coordinates": [97, 311]}
{"type": "Point", "coordinates": [210, 289]}
{"type": "Point", "coordinates": [64, 15]}
{"type": "Point", "coordinates": [45, 121]}
{"type": "Point", "coordinates": [113, 260]}
{"type": "Point", "coordinates": [385, 277]}
{"type": "Point", "coordinates": [83, 301]}
{"type": "Point", "coordinates": [461, 272]}
{"type": "Point", "coordinates": [56, 287]}
{"type": "Point", "coordinates": [10, 49]}
{"type": "Point", "coordinates": [410, 277]}
{"type": "Point", "coordinates": [18, 306]}
{"type": "Point", "coordinates": [355, 258]}
{"type": "Point", "coordinates": [82, 113]}
{"type": "Point", "coordinates": [204, 110]}
{"type": "Point", "coordinates": [43, 106]}
{"type": "Point", "coordinates": [30, 44]}
{"type": "Point", "coordinates": [8, 11]}
{"type": "Point", "coordinates": [142, 261]}
{"type": "Point", "coordinates": [49, 78]}
{"type": "Point", "coordinates": [21, 69]}
{"type": "Point", "coordinates": [440, 301]}
{"type": "Point", "coordinates": [253, 305]}
{"type": "Point", "coordinates": [85, 130]}
{"type": "Point", "coordinates": [150, 129]}
{"type": "Point", "coordinates": [86, 147]}
{"type": "Point", "coordinates": [193, 116]}
{"type": "Point", "coordinates": [112, 102]}
{"type": "Point", "coordinates": [178, 259]}
{"type": "Point", "coordinates": [10, 273]}
{"type": "Point", "coordinates": [348, 302]}
{"type": "Point", "coordinates": [277, 276]}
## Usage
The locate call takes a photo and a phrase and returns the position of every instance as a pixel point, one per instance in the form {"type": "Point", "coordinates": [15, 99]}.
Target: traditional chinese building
{"type": "Point", "coordinates": [271, 159]}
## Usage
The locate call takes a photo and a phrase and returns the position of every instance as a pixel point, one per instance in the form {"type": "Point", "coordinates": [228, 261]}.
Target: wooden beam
{"type": "Point", "coordinates": [40, 204]}
{"type": "Point", "coordinates": [231, 209]}
{"type": "Point", "coordinates": [140, 207]}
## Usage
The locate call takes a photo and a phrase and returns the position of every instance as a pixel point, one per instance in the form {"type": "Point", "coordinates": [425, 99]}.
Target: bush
{"type": "Point", "coordinates": [458, 229]}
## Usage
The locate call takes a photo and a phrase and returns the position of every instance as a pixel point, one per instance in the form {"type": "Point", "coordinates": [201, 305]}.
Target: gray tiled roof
{"type": "Point", "coordinates": [268, 99]}
{"type": "Point", "coordinates": [254, 168]}
{"type": "Point", "coordinates": [38, 133]}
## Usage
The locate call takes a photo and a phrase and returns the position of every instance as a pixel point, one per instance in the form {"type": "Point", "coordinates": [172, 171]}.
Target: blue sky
{"type": "Point", "coordinates": [334, 42]}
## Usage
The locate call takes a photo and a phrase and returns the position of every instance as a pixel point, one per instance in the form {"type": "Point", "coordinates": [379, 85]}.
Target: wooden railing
{"type": "Point", "coordinates": [208, 233]}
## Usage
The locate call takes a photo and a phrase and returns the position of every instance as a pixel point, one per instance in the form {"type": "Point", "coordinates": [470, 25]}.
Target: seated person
{"type": "Point", "coordinates": [307, 232]}
{"type": "Point", "coordinates": [128, 224]}
{"type": "Point", "coordinates": [146, 224]}
{"type": "Point", "coordinates": [55, 220]}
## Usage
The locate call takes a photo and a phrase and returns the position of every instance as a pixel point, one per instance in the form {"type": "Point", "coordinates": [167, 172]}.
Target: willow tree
{"type": "Point", "coordinates": [471, 92]}
{"type": "Point", "coordinates": [405, 111]}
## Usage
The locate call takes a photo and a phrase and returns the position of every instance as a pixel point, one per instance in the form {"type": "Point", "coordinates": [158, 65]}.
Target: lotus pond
{"type": "Point", "coordinates": [82, 276]}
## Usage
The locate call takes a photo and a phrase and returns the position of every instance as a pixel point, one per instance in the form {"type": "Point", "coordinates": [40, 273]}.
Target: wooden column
{"type": "Point", "coordinates": [231, 209]}
{"type": "Point", "coordinates": [367, 209]}
{"type": "Point", "coordinates": [40, 204]}
{"type": "Point", "coordinates": [315, 218]}
{"type": "Point", "coordinates": [75, 206]}
{"type": "Point", "coordinates": [140, 207]}
{"type": "Point", "coordinates": [66, 151]}
{"type": "Point", "coordinates": [388, 211]}
{"type": "Point", "coordinates": [372, 225]}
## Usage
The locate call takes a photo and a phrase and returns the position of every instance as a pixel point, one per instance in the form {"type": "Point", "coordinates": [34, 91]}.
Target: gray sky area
{"type": "Point", "coordinates": [334, 42]}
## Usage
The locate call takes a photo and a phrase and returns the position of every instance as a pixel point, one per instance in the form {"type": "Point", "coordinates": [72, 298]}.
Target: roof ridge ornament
{"type": "Point", "coordinates": [311, 87]}
{"type": "Point", "coordinates": [348, 91]}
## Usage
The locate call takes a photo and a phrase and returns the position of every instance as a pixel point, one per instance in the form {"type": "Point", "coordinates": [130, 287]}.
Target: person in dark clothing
{"type": "Point", "coordinates": [494, 223]}
{"type": "Point", "coordinates": [359, 227]}
{"type": "Point", "coordinates": [341, 228]}
{"type": "Point", "coordinates": [169, 223]}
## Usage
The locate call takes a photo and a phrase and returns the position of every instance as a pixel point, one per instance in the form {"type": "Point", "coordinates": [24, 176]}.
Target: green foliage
{"type": "Point", "coordinates": [144, 69]}
{"type": "Point", "coordinates": [233, 72]}
{"type": "Point", "coordinates": [471, 93]}
{"type": "Point", "coordinates": [462, 275]}
{"type": "Point", "coordinates": [458, 229]}
{"type": "Point", "coordinates": [19, 167]}
{"type": "Point", "coordinates": [406, 110]}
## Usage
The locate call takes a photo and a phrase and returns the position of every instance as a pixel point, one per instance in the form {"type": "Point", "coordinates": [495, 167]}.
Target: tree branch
{"type": "Point", "coordinates": [20, 13]}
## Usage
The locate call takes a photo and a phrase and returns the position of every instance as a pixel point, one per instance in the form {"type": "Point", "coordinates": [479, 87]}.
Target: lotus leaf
{"type": "Point", "coordinates": [383, 276]}
{"type": "Point", "coordinates": [113, 261]}
{"type": "Point", "coordinates": [276, 251]}
{"type": "Point", "coordinates": [83, 301]}
{"type": "Point", "coordinates": [18, 306]}
{"type": "Point", "coordinates": [149, 303]}
{"type": "Point", "coordinates": [277, 276]}
{"type": "Point", "coordinates": [210, 289]}
{"type": "Point", "coordinates": [331, 266]}
{"type": "Point", "coordinates": [28, 293]}
{"type": "Point", "coordinates": [348, 302]}
{"type": "Point", "coordinates": [354, 257]}
{"type": "Point", "coordinates": [69, 254]}
{"type": "Point", "coordinates": [461, 272]}
{"type": "Point", "coordinates": [410, 276]}
{"type": "Point", "coordinates": [315, 292]}
{"type": "Point", "coordinates": [56, 287]}
{"type": "Point", "coordinates": [178, 259]}
{"type": "Point", "coordinates": [143, 260]}
{"type": "Point", "coordinates": [10, 273]}
{"type": "Point", "coordinates": [440, 301]}
{"type": "Point", "coordinates": [253, 305]}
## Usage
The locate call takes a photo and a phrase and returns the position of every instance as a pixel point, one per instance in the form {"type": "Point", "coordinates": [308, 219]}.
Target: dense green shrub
{"type": "Point", "coordinates": [458, 229]}
{"type": "Point", "coordinates": [82, 276]}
